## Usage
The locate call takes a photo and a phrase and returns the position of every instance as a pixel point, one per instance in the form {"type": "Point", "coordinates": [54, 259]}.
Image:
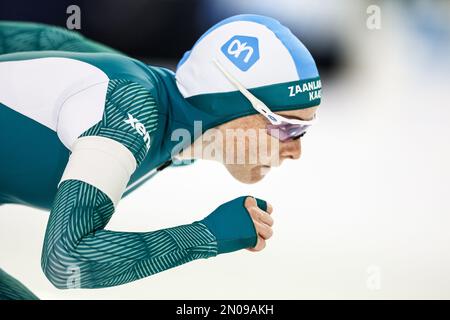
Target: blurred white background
{"type": "Point", "coordinates": [363, 214]}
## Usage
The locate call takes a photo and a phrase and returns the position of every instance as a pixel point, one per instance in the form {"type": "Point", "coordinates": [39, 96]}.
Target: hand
{"type": "Point", "coordinates": [240, 224]}
{"type": "Point", "coordinates": [262, 221]}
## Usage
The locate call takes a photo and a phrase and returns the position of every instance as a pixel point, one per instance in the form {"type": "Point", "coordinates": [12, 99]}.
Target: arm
{"type": "Point", "coordinates": [25, 36]}
{"type": "Point", "coordinates": [79, 252]}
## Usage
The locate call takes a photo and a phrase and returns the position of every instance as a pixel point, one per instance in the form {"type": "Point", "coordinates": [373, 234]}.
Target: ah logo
{"type": "Point", "coordinates": [243, 51]}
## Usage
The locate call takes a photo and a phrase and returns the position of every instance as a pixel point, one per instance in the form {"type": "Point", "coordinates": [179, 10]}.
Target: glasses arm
{"type": "Point", "coordinates": [257, 104]}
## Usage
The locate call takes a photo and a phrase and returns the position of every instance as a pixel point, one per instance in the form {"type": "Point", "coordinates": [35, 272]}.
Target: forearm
{"type": "Point", "coordinates": [78, 252]}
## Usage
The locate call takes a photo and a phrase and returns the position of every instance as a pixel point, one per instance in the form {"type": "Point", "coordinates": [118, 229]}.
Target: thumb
{"type": "Point", "coordinates": [250, 202]}
{"type": "Point", "coordinates": [262, 204]}
{"type": "Point", "coordinates": [253, 202]}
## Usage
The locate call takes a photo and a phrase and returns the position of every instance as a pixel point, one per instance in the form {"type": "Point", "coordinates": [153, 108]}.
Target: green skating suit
{"type": "Point", "coordinates": [56, 86]}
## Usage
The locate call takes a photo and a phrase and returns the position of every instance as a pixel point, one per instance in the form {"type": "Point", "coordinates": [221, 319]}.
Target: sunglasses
{"type": "Point", "coordinates": [282, 128]}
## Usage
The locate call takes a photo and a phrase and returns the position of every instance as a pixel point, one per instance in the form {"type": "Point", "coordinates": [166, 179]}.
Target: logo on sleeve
{"type": "Point", "coordinates": [242, 51]}
{"type": "Point", "coordinates": [140, 128]}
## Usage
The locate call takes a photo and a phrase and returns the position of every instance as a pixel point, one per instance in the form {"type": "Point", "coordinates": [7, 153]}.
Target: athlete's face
{"type": "Point", "coordinates": [254, 162]}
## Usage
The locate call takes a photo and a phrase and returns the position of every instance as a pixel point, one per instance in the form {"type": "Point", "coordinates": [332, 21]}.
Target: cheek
{"type": "Point", "coordinates": [269, 150]}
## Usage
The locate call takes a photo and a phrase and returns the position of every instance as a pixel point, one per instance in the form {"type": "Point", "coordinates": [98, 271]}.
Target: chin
{"type": "Point", "coordinates": [248, 175]}
{"type": "Point", "coordinates": [250, 180]}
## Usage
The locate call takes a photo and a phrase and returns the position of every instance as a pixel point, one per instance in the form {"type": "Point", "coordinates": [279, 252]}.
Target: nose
{"type": "Point", "coordinates": [291, 150]}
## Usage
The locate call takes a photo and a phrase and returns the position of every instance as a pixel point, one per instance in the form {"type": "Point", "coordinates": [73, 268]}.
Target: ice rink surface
{"type": "Point", "coordinates": [363, 214]}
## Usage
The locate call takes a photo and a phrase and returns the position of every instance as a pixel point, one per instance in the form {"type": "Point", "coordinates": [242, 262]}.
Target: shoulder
{"type": "Point", "coordinates": [127, 113]}
{"type": "Point", "coordinates": [130, 116]}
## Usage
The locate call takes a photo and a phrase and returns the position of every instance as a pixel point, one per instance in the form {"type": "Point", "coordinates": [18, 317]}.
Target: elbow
{"type": "Point", "coordinates": [61, 271]}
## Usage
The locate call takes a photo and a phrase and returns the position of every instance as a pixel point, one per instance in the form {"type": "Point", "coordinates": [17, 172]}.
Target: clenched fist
{"type": "Point", "coordinates": [242, 223]}
{"type": "Point", "coordinates": [262, 221]}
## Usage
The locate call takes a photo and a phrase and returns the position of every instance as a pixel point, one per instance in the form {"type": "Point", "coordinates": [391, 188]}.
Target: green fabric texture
{"type": "Point", "coordinates": [293, 95]}
{"type": "Point", "coordinates": [22, 36]}
{"type": "Point", "coordinates": [262, 204]}
{"type": "Point", "coordinates": [11, 289]}
{"type": "Point", "coordinates": [232, 226]}
{"type": "Point", "coordinates": [124, 97]}
{"type": "Point", "coordinates": [78, 251]}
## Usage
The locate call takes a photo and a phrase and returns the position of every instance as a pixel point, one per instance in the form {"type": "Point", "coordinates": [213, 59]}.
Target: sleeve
{"type": "Point", "coordinates": [26, 36]}
{"type": "Point", "coordinates": [78, 252]}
